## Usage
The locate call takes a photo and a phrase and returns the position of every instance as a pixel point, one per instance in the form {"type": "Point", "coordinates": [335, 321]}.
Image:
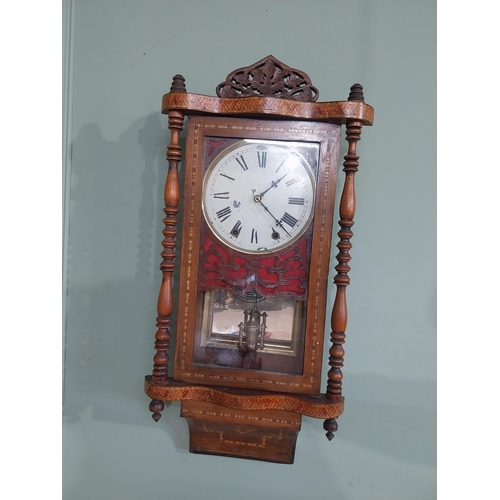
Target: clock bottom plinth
{"type": "Point", "coordinates": [243, 423]}
{"type": "Point", "coordinates": [268, 435]}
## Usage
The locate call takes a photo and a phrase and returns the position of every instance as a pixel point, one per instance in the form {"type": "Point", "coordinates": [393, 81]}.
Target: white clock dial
{"type": "Point", "coordinates": [258, 196]}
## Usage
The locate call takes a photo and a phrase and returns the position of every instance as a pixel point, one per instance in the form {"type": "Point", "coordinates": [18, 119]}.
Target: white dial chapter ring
{"type": "Point", "coordinates": [235, 185]}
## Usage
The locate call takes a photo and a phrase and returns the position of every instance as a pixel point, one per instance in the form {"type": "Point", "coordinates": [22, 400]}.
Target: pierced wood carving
{"type": "Point", "coordinates": [269, 77]}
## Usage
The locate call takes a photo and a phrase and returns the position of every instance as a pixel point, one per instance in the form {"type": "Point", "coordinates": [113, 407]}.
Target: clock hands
{"type": "Point", "coordinates": [278, 222]}
{"type": "Point", "coordinates": [258, 199]}
{"type": "Point", "coordinates": [273, 184]}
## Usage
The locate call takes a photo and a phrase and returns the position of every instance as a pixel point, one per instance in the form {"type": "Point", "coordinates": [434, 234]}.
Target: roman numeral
{"type": "Point", "coordinates": [236, 229]}
{"type": "Point", "coordinates": [262, 157]}
{"type": "Point", "coordinates": [291, 181]}
{"type": "Point", "coordinates": [254, 236]}
{"type": "Point", "coordinates": [224, 214]}
{"type": "Point", "coordinates": [227, 177]}
{"type": "Point", "coordinates": [222, 196]}
{"type": "Point", "coordinates": [296, 201]}
{"type": "Point", "coordinates": [242, 162]}
{"type": "Point", "coordinates": [289, 219]}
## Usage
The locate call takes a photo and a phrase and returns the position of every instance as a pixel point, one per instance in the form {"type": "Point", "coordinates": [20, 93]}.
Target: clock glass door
{"type": "Point", "coordinates": [258, 203]}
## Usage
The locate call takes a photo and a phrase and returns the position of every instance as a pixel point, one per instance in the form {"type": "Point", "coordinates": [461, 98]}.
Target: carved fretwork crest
{"type": "Point", "coordinates": [269, 77]}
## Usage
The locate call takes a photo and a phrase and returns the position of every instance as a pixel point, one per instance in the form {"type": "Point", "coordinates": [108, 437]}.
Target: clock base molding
{"type": "Point", "coordinates": [309, 405]}
{"type": "Point", "coordinates": [240, 423]}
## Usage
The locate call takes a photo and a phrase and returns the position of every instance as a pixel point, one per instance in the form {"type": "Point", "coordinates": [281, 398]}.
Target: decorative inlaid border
{"type": "Point", "coordinates": [309, 379]}
{"type": "Point", "coordinates": [245, 418]}
{"type": "Point", "coordinates": [311, 406]}
{"type": "Point", "coordinates": [333, 112]}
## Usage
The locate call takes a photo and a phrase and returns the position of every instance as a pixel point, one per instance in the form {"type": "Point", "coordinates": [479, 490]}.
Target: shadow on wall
{"type": "Point", "coordinates": [113, 267]}
{"type": "Point", "coordinates": [113, 280]}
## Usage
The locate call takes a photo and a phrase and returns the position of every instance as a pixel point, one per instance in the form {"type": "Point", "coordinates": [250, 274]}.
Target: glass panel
{"type": "Point", "coordinates": [258, 204]}
{"type": "Point", "coordinates": [253, 333]}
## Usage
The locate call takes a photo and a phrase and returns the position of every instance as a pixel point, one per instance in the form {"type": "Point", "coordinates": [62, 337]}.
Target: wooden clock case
{"type": "Point", "coordinates": [239, 412]}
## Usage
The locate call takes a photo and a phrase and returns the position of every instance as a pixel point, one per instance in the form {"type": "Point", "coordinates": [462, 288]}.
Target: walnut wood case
{"type": "Point", "coordinates": [234, 411]}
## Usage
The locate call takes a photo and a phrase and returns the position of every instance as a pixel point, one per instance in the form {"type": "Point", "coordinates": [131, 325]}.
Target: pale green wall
{"type": "Point", "coordinates": [123, 54]}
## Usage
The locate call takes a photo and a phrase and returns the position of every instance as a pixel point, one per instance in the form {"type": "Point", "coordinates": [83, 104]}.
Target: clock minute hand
{"type": "Point", "coordinates": [273, 184]}
{"type": "Point", "coordinates": [278, 222]}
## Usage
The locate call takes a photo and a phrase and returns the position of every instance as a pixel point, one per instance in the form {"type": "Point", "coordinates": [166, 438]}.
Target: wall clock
{"type": "Point", "coordinates": [260, 172]}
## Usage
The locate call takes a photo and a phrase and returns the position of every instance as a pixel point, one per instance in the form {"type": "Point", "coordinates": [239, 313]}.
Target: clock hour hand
{"type": "Point", "coordinates": [278, 222]}
{"type": "Point", "coordinates": [273, 184]}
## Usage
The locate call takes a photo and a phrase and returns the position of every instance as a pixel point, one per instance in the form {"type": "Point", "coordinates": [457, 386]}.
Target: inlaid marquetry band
{"type": "Point", "coordinates": [333, 112]}
{"type": "Point", "coordinates": [311, 406]}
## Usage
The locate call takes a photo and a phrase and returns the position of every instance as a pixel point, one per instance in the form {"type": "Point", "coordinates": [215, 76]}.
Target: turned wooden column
{"type": "Point", "coordinates": [167, 266]}
{"type": "Point", "coordinates": [339, 312]}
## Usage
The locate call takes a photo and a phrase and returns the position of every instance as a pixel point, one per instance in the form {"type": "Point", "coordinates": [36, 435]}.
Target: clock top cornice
{"type": "Point", "coordinates": [272, 89]}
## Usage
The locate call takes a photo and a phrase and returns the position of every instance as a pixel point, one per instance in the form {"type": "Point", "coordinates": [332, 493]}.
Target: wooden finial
{"type": "Point", "coordinates": [178, 84]}
{"type": "Point", "coordinates": [156, 407]}
{"type": "Point", "coordinates": [330, 425]}
{"type": "Point", "coordinates": [356, 93]}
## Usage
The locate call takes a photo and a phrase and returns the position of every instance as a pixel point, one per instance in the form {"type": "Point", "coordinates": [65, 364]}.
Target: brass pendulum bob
{"type": "Point", "coordinates": [252, 328]}
{"type": "Point", "coordinates": [251, 336]}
